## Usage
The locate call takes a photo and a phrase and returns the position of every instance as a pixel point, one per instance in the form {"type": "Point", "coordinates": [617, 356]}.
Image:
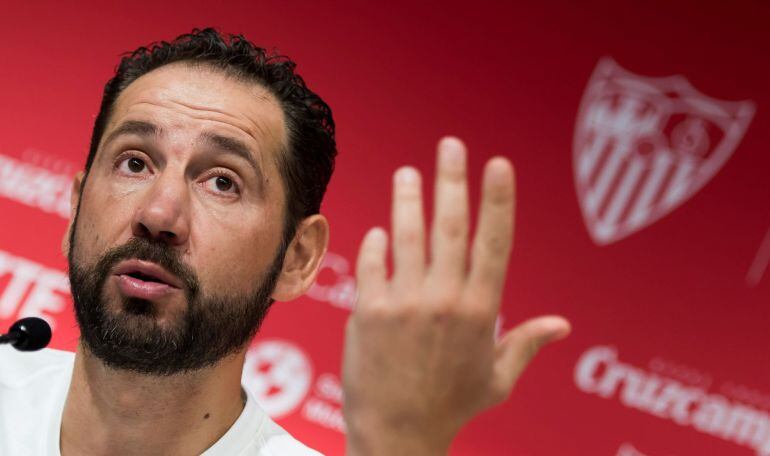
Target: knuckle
{"type": "Point", "coordinates": [454, 175]}
{"type": "Point", "coordinates": [442, 315]}
{"type": "Point", "coordinates": [409, 193]}
{"type": "Point", "coordinates": [412, 299]}
{"type": "Point", "coordinates": [478, 313]}
{"type": "Point", "coordinates": [496, 244]}
{"type": "Point", "coordinates": [370, 267]}
{"type": "Point", "coordinates": [500, 196]}
{"type": "Point", "coordinates": [448, 311]}
{"type": "Point", "coordinates": [478, 317]}
{"type": "Point", "coordinates": [375, 313]}
{"type": "Point", "coordinates": [445, 297]}
{"type": "Point", "coordinates": [454, 227]}
{"type": "Point", "coordinates": [501, 200]}
{"type": "Point", "coordinates": [408, 236]}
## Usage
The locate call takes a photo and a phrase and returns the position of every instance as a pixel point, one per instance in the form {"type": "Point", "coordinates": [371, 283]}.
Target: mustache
{"type": "Point", "coordinates": [154, 251]}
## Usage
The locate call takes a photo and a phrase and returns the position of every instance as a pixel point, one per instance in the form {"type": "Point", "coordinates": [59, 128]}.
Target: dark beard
{"type": "Point", "coordinates": [211, 327]}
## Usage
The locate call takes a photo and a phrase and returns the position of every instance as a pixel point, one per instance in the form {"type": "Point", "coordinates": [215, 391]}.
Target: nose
{"type": "Point", "coordinates": [163, 213]}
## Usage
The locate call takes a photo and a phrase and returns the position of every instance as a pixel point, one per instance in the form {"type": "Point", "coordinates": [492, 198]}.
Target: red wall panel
{"type": "Point", "coordinates": [676, 308]}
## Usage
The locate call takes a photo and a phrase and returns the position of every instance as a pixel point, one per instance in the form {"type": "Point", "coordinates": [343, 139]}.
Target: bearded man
{"type": "Point", "coordinates": [199, 206]}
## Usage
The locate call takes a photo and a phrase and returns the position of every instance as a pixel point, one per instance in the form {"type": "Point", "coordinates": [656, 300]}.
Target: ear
{"type": "Point", "coordinates": [77, 182]}
{"type": "Point", "coordinates": [303, 258]}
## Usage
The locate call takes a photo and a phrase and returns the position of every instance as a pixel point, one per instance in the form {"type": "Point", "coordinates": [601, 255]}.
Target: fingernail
{"type": "Point", "coordinates": [499, 170]}
{"type": "Point", "coordinates": [561, 328]}
{"type": "Point", "coordinates": [452, 153]}
{"type": "Point", "coordinates": [378, 236]}
{"type": "Point", "coordinates": [407, 175]}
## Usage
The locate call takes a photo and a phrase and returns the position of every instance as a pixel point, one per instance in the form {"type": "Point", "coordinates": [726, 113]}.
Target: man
{"type": "Point", "coordinates": [199, 207]}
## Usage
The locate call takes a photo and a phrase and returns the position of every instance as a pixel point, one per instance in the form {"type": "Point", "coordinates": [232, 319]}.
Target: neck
{"type": "Point", "coordinates": [111, 411]}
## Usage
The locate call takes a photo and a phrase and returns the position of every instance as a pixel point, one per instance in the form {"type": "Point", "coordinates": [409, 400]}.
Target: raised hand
{"type": "Point", "coordinates": [420, 355]}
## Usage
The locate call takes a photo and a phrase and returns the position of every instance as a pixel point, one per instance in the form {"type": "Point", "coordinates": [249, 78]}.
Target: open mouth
{"type": "Point", "coordinates": [145, 279]}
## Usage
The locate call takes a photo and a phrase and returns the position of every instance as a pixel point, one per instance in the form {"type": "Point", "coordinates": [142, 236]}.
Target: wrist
{"type": "Point", "coordinates": [383, 439]}
{"type": "Point", "coordinates": [392, 444]}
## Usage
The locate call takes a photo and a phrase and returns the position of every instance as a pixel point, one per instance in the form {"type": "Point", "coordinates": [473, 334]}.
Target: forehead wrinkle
{"type": "Point", "coordinates": [198, 83]}
{"type": "Point", "coordinates": [258, 129]}
{"type": "Point", "coordinates": [243, 123]}
{"type": "Point", "coordinates": [259, 132]}
{"type": "Point", "coordinates": [169, 95]}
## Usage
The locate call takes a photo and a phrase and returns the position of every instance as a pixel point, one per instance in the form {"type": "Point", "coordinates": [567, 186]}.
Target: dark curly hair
{"type": "Point", "coordinates": [308, 161]}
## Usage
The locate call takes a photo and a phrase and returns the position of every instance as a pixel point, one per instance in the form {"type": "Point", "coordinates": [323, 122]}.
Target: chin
{"type": "Point", "coordinates": [139, 307]}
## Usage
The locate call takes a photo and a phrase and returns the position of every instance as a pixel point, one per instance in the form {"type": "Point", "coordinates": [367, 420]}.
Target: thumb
{"type": "Point", "coordinates": [519, 345]}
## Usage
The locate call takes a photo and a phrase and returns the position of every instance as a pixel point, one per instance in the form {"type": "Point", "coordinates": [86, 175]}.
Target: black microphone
{"type": "Point", "coordinates": [28, 334]}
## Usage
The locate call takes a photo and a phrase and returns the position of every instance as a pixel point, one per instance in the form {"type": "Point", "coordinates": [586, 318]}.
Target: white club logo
{"type": "Point", "coordinates": [278, 374]}
{"type": "Point", "coordinates": [643, 146]}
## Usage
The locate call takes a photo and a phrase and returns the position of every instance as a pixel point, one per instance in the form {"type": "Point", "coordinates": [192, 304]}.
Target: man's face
{"type": "Point", "coordinates": [176, 242]}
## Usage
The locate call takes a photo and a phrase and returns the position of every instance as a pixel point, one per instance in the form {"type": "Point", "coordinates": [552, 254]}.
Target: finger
{"type": "Point", "coordinates": [371, 271]}
{"type": "Point", "coordinates": [408, 227]}
{"type": "Point", "coordinates": [517, 348]}
{"type": "Point", "coordinates": [494, 234]}
{"type": "Point", "coordinates": [449, 236]}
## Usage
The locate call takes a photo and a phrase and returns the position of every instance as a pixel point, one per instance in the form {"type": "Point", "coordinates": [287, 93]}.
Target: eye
{"type": "Point", "coordinates": [132, 165]}
{"type": "Point", "coordinates": [222, 184]}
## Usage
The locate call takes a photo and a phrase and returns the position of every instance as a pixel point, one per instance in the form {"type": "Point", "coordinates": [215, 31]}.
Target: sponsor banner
{"type": "Point", "coordinates": [36, 186]}
{"type": "Point", "coordinates": [669, 181]}
{"type": "Point", "coordinates": [335, 284]}
{"type": "Point", "coordinates": [677, 394]}
{"type": "Point", "coordinates": [279, 373]}
{"type": "Point", "coordinates": [643, 146]}
{"type": "Point", "coordinates": [324, 406]}
{"type": "Point", "coordinates": [29, 289]}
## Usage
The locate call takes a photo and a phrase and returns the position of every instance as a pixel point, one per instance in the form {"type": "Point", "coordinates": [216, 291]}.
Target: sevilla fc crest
{"type": "Point", "coordinates": [643, 146]}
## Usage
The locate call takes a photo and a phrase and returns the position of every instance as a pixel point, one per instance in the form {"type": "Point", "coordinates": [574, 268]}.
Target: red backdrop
{"type": "Point", "coordinates": [643, 209]}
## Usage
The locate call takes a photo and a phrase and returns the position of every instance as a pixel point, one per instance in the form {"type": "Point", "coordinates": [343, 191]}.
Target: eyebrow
{"type": "Point", "coordinates": [235, 147]}
{"type": "Point", "coordinates": [224, 144]}
{"type": "Point", "coordinates": [134, 127]}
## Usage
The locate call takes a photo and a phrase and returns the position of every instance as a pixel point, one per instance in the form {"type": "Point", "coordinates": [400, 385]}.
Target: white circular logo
{"type": "Point", "coordinates": [278, 374]}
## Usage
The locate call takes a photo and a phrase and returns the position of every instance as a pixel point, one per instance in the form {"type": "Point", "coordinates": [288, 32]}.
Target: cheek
{"type": "Point", "coordinates": [232, 258]}
{"type": "Point", "coordinates": [103, 219]}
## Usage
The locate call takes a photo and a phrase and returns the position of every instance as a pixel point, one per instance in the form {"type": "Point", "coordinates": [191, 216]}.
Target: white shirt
{"type": "Point", "coordinates": [34, 386]}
